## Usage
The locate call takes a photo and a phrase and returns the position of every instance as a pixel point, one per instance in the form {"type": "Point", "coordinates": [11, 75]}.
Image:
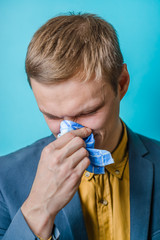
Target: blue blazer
{"type": "Point", "coordinates": [17, 172]}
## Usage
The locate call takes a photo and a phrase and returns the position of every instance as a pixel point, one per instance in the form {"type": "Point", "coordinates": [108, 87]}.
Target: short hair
{"type": "Point", "coordinates": [75, 44]}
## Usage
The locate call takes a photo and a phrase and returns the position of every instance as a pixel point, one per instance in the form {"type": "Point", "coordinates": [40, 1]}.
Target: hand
{"type": "Point", "coordinates": [58, 176]}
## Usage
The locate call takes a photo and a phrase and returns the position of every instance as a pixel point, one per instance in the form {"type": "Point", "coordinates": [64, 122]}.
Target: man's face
{"type": "Point", "coordinates": [91, 104]}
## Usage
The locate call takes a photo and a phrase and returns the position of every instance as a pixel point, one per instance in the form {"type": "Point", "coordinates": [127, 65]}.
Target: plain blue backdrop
{"type": "Point", "coordinates": [138, 26]}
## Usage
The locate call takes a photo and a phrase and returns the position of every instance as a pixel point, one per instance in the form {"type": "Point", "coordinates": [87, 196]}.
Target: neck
{"type": "Point", "coordinates": [114, 138]}
{"type": "Point", "coordinates": [118, 136]}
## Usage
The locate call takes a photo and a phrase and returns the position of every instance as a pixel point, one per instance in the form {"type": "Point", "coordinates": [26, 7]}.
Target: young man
{"type": "Point", "coordinates": [76, 71]}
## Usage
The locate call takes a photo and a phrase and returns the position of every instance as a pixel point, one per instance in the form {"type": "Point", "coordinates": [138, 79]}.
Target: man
{"type": "Point", "coordinates": [76, 71]}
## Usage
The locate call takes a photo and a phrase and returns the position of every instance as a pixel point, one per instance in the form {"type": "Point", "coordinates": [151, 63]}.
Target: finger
{"type": "Point", "coordinates": [81, 167]}
{"type": "Point", "coordinates": [82, 132]}
{"type": "Point", "coordinates": [68, 167]}
{"type": "Point", "coordinates": [76, 157]}
{"type": "Point", "coordinates": [74, 145]}
{"type": "Point", "coordinates": [63, 140]}
{"type": "Point", "coordinates": [74, 178]}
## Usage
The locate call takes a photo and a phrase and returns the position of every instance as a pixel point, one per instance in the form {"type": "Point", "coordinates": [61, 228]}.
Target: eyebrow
{"type": "Point", "coordinates": [91, 110]}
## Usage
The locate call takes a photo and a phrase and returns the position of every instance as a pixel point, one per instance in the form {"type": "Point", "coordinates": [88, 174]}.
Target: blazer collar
{"type": "Point", "coordinates": [70, 221]}
{"type": "Point", "coordinates": [141, 183]}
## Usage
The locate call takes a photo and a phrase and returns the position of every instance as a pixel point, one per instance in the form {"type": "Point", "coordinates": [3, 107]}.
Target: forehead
{"type": "Point", "coordinates": [69, 97]}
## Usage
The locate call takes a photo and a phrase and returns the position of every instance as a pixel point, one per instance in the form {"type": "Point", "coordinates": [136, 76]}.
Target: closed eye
{"type": "Point", "coordinates": [87, 114]}
{"type": "Point", "coordinates": [52, 117]}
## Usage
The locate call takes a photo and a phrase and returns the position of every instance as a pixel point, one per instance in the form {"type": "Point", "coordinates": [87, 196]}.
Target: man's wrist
{"type": "Point", "coordinates": [39, 222]}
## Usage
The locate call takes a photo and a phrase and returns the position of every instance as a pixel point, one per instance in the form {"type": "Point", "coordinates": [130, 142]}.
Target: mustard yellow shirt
{"type": "Point", "coordinates": [105, 198]}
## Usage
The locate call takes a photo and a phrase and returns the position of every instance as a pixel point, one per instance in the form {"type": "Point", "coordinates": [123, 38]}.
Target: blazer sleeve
{"type": "Point", "coordinates": [17, 228]}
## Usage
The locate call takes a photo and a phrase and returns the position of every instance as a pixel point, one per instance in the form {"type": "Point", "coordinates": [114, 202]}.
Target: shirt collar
{"type": "Point", "coordinates": [120, 156]}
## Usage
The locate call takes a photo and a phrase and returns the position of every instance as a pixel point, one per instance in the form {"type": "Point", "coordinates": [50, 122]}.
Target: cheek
{"type": "Point", "coordinates": [95, 122]}
{"type": "Point", "coordinates": [54, 126]}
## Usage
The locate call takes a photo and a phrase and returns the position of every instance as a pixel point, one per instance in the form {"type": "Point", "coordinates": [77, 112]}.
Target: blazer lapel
{"type": "Point", "coordinates": [141, 183]}
{"type": "Point", "coordinates": [70, 221]}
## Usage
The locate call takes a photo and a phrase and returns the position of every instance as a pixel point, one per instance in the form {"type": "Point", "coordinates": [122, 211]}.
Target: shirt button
{"type": "Point", "coordinates": [117, 172]}
{"type": "Point", "coordinates": [104, 202]}
{"type": "Point", "coordinates": [87, 174]}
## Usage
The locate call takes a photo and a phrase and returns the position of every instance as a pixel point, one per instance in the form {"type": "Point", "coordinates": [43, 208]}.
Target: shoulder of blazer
{"type": "Point", "coordinates": [22, 163]}
{"type": "Point", "coordinates": [25, 152]}
{"type": "Point", "coordinates": [144, 145]}
{"type": "Point", "coordinates": [153, 147]}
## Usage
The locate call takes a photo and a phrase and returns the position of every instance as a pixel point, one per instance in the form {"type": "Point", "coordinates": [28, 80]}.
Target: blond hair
{"type": "Point", "coordinates": [68, 45]}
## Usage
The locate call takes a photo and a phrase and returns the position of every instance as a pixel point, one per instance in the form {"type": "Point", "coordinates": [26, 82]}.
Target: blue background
{"type": "Point", "coordinates": [138, 26]}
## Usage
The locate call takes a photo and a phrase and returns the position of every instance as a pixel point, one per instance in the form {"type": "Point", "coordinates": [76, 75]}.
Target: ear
{"type": "Point", "coordinates": [123, 82]}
